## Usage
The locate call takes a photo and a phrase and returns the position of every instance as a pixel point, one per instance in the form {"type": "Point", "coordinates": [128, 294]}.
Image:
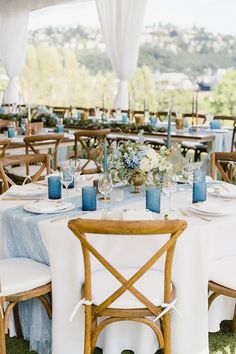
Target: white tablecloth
{"type": "Point", "coordinates": [201, 242]}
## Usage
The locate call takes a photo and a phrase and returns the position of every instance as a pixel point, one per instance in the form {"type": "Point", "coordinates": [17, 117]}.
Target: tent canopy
{"type": "Point", "coordinates": [31, 5]}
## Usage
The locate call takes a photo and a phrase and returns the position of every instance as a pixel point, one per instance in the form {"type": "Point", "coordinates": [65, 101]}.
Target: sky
{"type": "Point", "coordinates": [215, 15]}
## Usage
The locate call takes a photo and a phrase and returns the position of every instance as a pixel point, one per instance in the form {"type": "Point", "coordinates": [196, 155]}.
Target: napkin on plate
{"type": "Point", "coordinates": [211, 208]}
{"type": "Point", "coordinates": [27, 190]}
{"type": "Point", "coordinates": [48, 206]}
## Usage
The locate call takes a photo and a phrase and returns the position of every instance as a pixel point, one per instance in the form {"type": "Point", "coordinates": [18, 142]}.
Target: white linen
{"type": "Point", "coordinates": [121, 22]}
{"type": "Point", "coordinates": [200, 244]}
{"type": "Point", "coordinates": [22, 274]}
{"type": "Point", "coordinates": [28, 190]}
{"type": "Point", "coordinates": [218, 274]}
{"type": "Point", "coordinates": [13, 41]}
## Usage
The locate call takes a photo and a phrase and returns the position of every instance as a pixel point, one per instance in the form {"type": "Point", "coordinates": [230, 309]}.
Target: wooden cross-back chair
{"type": "Point", "coordinates": [226, 119]}
{"type": "Point", "coordinates": [6, 162]}
{"type": "Point", "coordinates": [98, 305]}
{"type": "Point", "coordinates": [4, 144]}
{"type": "Point", "coordinates": [34, 141]}
{"type": "Point", "coordinates": [225, 163]}
{"type": "Point", "coordinates": [21, 279]}
{"type": "Point", "coordinates": [163, 115]}
{"type": "Point", "coordinates": [198, 117]}
{"type": "Point", "coordinates": [233, 140]}
{"type": "Point", "coordinates": [91, 142]}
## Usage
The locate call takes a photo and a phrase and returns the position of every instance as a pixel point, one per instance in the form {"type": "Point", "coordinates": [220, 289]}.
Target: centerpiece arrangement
{"type": "Point", "coordinates": [137, 163]}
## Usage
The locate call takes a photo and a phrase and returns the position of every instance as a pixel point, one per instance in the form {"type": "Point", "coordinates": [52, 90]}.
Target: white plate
{"type": "Point", "coordinates": [223, 193]}
{"type": "Point", "coordinates": [49, 207]}
{"type": "Point", "coordinates": [28, 190]}
{"type": "Point", "coordinates": [217, 130]}
{"type": "Point", "coordinates": [211, 209]}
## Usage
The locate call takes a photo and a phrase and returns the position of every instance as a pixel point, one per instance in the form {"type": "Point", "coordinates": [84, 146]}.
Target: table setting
{"type": "Point", "coordinates": [34, 225]}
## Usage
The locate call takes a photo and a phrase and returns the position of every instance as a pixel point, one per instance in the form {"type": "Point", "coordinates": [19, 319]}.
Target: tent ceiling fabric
{"type": "Point", "coordinates": [31, 5]}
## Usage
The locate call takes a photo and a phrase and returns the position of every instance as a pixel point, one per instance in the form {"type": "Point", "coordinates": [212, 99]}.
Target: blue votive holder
{"type": "Point", "coordinates": [153, 199]}
{"type": "Point", "coordinates": [153, 120]}
{"type": "Point", "coordinates": [54, 187]}
{"type": "Point", "coordinates": [124, 118]}
{"type": "Point", "coordinates": [215, 124]}
{"type": "Point", "coordinates": [199, 192]}
{"type": "Point", "coordinates": [60, 128]}
{"type": "Point", "coordinates": [89, 198]}
{"type": "Point", "coordinates": [11, 132]}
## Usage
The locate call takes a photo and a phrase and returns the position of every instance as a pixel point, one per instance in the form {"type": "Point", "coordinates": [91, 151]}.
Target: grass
{"type": "Point", "coordinates": [223, 342]}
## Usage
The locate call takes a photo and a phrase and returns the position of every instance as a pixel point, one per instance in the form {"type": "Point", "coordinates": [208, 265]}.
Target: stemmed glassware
{"type": "Point", "coordinates": [209, 117]}
{"type": "Point", "coordinates": [66, 178]}
{"type": "Point", "coordinates": [105, 186]}
{"type": "Point", "coordinates": [76, 168]}
{"type": "Point", "coordinates": [169, 187]}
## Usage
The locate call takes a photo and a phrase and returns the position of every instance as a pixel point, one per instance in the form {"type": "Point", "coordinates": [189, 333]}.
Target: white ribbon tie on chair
{"type": "Point", "coordinates": [167, 308]}
{"type": "Point", "coordinates": [26, 179]}
{"type": "Point", "coordinates": [77, 307]}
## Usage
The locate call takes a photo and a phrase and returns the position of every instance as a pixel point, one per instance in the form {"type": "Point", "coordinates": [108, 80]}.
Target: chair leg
{"type": "Point", "coordinates": [233, 327]}
{"type": "Point", "coordinates": [88, 330]}
{"type": "Point", "coordinates": [17, 321]}
{"type": "Point", "coordinates": [166, 323]}
{"type": "Point", "coordinates": [2, 330]}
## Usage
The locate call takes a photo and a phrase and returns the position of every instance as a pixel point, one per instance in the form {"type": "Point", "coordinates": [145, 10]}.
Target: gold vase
{"type": "Point", "coordinates": [136, 180]}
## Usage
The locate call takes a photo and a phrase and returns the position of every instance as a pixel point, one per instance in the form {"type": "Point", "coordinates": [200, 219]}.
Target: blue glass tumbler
{"type": "Point", "coordinates": [124, 118]}
{"type": "Point", "coordinates": [153, 199]}
{"type": "Point", "coordinates": [54, 187]}
{"type": "Point", "coordinates": [11, 132]}
{"type": "Point", "coordinates": [199, 186]}
{"type": "Point", "coordinates": [153, 121]}
{"type": "Point", "coordinates": [60, 128]}
{"type": "Point", "coordinates": [215, 124]}
{"type": "Point", "coordinates": [89, 198]}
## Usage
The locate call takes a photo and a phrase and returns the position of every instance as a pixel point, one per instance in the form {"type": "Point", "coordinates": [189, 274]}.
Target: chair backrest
{"type": "Point", "coordinates": [92, 144]}
{"type": "Point", "coordinates": [31, 142]}
{"type": "Point", "coordinates": [231, 120]}
{"type": "Point", "coordinates": [198, 117]}
{"type": "Point", "coordinates": [225, 163]}
{"type": "Point", "coordinates": [4, 144]}
{"type": "Point", "coordinates": [163, 115]}
{"type": "Point", "coordinates": [43, 159]}
{"type": "Point", "coordinates": [233, 140]}
{"type": "Point", "coordinates": [81, 227]}
{"type": "Point", "coordinates": [60, 111]}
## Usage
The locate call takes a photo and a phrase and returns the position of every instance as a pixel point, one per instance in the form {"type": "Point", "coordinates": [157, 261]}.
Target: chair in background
{"type": "Point", "coordinates": [233, 144]}
{"type": "Point", "coordinates": [226, 120]}
{"type": "Point", "coordinates": [61, 112]}
{"type": "Point", "coordinates": [21, 279]}
{"type": "Point", "coordinates": [5, 162]}
{"type": "Point", "coordinates": [225, 163]}
{"type": "Point", "coordinates": [113, 301]}
{"type": "Point", "coordinates": [32, 146]}
{"type": "Point", "coordinates": [163, 115]}
{"type": "Point", "coordinates": [4, 144]}
{"type": "Point", "coordinates": [223, 282]}
{"type": "Point", "coordinates": [91, 142]}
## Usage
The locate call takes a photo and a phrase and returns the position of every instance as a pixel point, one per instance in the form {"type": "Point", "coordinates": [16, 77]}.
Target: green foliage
{"type": "Point", "coordinates": [223, 99]}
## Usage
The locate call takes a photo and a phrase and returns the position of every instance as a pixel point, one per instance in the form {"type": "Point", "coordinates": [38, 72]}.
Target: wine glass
{"type": "Point", "coordinates": [76, 168]}
{"type": "Point", "coordinates": [66, 178]}
{"type": "Point", "coordinates": [105, 186]}
{"type": "Point", "coordinates": [209, 117]}
{"type": "Point", "coordinates": [169, 187]}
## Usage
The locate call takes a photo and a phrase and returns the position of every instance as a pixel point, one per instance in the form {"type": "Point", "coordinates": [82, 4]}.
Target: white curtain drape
{"type": "Point", "coordinates": [121, 22]}
{"type": "Point", "coordinates": [13, 41]}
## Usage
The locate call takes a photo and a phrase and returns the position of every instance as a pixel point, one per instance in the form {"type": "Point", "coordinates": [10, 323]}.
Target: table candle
{"type": "Point", "coordinates": [29, 113]}
{"type": "Point", "coordinates": [196, 103]}
{"type": "Point", "coordinates": [105, 168]}
{"type": "Point", "coordinates": [168, 143]}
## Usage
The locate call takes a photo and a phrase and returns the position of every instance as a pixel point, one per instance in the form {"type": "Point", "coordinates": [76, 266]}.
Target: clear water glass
{"type": "Point", "coordinates": [105, 186]}
{"type": "Point", "coordinates": [66, 178]}
{"type": "Point", "coordinates": [169, 188]}
{"type": "Point", "coordinates": [76, 168]}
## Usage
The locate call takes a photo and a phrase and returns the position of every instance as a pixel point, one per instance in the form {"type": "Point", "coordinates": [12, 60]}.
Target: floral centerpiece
{"type": "Point", "coordinates": [136, 163]}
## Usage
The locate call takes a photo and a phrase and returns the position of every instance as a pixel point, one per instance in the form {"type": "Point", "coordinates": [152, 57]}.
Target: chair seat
{"type": "Point", "coordinates": [222, 272]}
{"type": "Point", "coordinates": [20, 171]}
{"type": "Point", "coordinates": [151, 285]}
{"type": "Point", "coordinates": [22, 274]}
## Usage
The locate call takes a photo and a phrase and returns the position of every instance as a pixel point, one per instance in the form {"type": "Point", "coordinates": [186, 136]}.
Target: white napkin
{"type": "Point", "coordinates": [211, 208]}
{"type": "Point", "coordinates": [27, 190]}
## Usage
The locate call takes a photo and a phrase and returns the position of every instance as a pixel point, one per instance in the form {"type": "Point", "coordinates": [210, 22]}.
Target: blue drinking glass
{"type": "Point", "coordinates": [89, 198]}
{"type": "Point", "coordinates": [54, 187]}
{"type": "Point", "coordinates": [215, 124]}
{"type": "Point", "coordinates": [185, 122]}
{"type": "Point", "coordinates": [153, 120]}
{"type": "Point", "coordinates": [60, 128]}
{"type": "Point", "coordinates": [199, 192]}
{"type": "Point", "coordinates": [11, 132]}
{"type": "Point", "coordinates": [153, 200]}
{"type": "Point", "coordinates": [124, 118]}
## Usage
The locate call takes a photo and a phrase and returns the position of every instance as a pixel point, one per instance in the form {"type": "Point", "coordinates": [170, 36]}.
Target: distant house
{"type": "Point", "coordinates": [171, 81]}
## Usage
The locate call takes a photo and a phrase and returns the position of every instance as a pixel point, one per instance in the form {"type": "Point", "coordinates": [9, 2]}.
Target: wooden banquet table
{"type": "Point", "coordinates": [202, 242]}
